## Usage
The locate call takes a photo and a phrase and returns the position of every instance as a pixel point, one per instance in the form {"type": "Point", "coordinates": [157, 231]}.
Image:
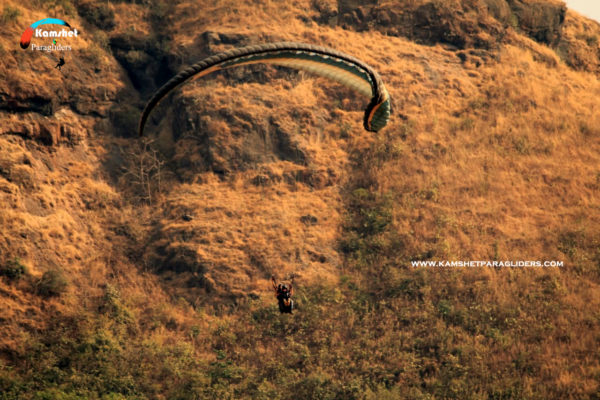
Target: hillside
{"type": "Point", "coordinates": [138, 268]}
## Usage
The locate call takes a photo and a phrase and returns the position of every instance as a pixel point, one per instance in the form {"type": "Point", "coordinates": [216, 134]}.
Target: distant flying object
{"type": "Point", "coordinates": [323, 61]}
{"type": "Point", "coordinates": [61, 62]}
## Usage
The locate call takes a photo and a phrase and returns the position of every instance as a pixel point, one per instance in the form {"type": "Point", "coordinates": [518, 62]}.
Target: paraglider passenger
{"type": "Point", "coordinates": [283, 293]}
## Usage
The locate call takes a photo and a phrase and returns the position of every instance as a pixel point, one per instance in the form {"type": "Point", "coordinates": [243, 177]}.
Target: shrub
{"type": "Point", "coordinates": [569, 241]}
{"type": "Point", "coordinates": [373, 212]}
{"type": "Point", "coordinates": [52, 283]}
{"type": "Point", "coordinates": [320, 386]}
{"type": "Point", "coordinates": [13, 270]}
{"type": "Point", "coordinates": [113, 306]}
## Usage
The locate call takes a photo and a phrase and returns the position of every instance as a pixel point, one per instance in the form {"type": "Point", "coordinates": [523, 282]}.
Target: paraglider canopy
{"type": "Point", "coordinates": [323, 61]}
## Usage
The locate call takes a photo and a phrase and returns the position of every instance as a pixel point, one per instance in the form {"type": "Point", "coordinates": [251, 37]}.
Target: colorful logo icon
{"type": "Point", "coordinates": [33, 29]}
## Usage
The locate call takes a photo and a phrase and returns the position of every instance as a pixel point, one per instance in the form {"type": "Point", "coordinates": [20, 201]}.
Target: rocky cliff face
{"type": "Point", "coordinates": [464, 24]}
{"type": "Point", "coordinates": [51, 106]}
{"type": "Point", "coordinates": [481, 24]}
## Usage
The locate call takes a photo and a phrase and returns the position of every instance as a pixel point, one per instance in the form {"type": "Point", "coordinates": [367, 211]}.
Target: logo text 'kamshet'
{"type": "Point", "coordinates": [62, 33]}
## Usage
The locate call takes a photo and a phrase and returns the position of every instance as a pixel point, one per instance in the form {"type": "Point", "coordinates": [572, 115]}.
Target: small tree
{"type": "Point", "coordinates": [143, 170]}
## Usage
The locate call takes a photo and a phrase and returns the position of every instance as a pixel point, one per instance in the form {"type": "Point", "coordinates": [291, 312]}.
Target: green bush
{"type": "Point", "coordinates": [54, 394]}
{"type": "Point", "coordinates": [52, 283]}
{"type": "Point", "coordinates": [13, 270]}
{"type": "Point", "coordinates": [318, 386]}
{"type": "Point", "coordinates": [113, 306]}
{"type": "Point", "coordinates": [373, 212]}
{"type": "Point", "coordinates": [569, 241]}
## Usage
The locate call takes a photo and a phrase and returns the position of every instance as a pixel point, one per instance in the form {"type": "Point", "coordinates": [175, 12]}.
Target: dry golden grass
{"type": "Point", "coordinates": [496, 161]}
{"type": "Point", "coordinates": [242, 235]}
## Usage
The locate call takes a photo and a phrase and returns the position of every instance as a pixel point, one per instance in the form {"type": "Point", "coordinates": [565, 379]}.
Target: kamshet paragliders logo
{"type": "Point", "coordinates": [34, 31]}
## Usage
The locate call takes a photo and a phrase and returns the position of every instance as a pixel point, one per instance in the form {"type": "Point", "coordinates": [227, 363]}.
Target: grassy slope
{"type": "Point", "coordinates": [498, 161]}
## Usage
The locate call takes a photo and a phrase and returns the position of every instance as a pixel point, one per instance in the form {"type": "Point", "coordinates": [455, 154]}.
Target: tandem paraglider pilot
{"type": "Point", "coordinates": [284, 296]}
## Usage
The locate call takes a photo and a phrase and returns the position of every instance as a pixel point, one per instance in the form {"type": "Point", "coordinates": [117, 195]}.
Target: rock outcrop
{"type": "Point", "coordinates": [464, 24]}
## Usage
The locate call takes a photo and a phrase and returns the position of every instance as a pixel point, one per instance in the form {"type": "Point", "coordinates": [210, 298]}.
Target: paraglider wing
{"type": "Point", "coordinates": [329, 63]}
